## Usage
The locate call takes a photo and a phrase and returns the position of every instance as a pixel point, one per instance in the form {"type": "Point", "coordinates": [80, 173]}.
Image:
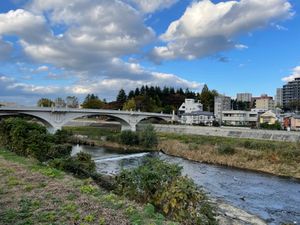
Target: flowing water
{"type": "Point", "coordinates": [274, 199]}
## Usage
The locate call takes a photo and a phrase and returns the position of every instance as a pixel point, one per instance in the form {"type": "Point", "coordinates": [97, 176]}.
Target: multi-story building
{"type": "Point", "coordinates": [278, 97]}
{"type": "Point", "coordinates": [191, 112]}
{"type": "Point", "coordinates": [222, 103]}
{"type": "Point", "coordinates": [239, 118]}
{"type": "Point", "coordinates": [190, 105]}
{"type": "Point", "coordinates": [243, 97]}
{"type": "Point", "coordinates": [264, 102]}
{"type": "Point", "coordinates": [291, 92]}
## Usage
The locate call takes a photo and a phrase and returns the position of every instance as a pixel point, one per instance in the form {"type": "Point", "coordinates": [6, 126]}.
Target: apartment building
{"type": "Point", "coordinates": [291, 92]}
{"type": "Point", "coordinates": [222, 103]}
{"type": "Point", "coordinates": [239, 118]}
{"type": "Point", "coordinates": [243, 97]}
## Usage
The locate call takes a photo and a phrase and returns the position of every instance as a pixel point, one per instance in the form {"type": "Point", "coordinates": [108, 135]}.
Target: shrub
{"type": "Point", "coordinates": [129, 137]}
{"type": "Point", "coordinates": [182, 201]}
{"type": "Point", "coordinates": [32, 139]}
{"type": "Point", "coordinates": [162, 185]}
{"type": "Point", "coordinates": [148, 137]}
{"type": "Point", "coordinates": [81, 165]}
{"type": "Point", "coordinates": [225, 150]}
{"type": "Point", "coordinates": [59, 151]}
{"type": "Point", "coordinates": [142, 182]}
{"type": "Point", "coordinates": [62, 136]}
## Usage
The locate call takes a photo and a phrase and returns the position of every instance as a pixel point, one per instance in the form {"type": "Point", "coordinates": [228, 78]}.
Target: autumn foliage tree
{"type": "Point", "coordinates": [92, 101]}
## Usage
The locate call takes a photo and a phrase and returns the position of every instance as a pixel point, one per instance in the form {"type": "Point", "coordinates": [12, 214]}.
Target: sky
{"type": "Point", "coordinates": [55, 48]}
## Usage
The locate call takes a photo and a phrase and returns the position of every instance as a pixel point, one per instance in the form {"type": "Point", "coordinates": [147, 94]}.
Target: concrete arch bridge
{"type": "Point", "coordinates": [56, 118]}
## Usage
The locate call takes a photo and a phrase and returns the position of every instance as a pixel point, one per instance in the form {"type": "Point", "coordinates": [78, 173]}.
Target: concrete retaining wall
{"type": "Point", "coordinates": [230, 132]}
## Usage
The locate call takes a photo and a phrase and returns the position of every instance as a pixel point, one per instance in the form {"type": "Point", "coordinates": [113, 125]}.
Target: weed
{"type": "Point", "coordinates": [89, 218]}
{"type": "Point", "coordinates": [101, 221]}
{"type": "Point", "coordinates": [225, 150]}
{"type": "Point", "coordinates": [87, 189]}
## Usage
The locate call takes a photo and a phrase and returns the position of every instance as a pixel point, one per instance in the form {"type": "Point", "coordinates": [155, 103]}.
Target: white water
{"type": "Point", "coordinates": [116, 158]}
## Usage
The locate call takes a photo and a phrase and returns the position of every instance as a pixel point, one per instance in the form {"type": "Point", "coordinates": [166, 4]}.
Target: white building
{"type": "Point", "coordinates": [239, 118]}
{"type": "Point", "coordinates": [222, 103]}
{"type": "Point", "coordinates": [190, 105]}
{"type": "Point", "coordinates": [244, 97]}
{"type": "Point", "coordinates": [198, 118]}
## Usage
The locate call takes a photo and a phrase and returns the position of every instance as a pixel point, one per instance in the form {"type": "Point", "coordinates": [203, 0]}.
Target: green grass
{"type": "Point", "coordinates": [93, 132]}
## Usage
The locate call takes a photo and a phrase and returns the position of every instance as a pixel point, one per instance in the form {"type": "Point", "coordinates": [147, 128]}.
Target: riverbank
{"type": "Point", "coordinates": [31, 193]}
{"type": "Point", "coordinates": [277, 158]}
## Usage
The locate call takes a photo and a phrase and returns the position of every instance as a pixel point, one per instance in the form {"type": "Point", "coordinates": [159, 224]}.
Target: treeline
{"type": "Point", "coordinates": [145, 98]}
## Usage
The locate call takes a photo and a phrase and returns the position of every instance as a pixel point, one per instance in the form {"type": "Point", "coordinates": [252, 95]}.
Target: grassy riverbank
{"type": "Point", "coordinates": [278, 158]}
{"type": "Point", "coordinates": [31, 193]}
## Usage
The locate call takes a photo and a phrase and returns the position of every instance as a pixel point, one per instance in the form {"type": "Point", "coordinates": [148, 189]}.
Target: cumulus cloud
{"type": "Point", "coordinates": [206, 28]}
{"type": "Point", "coordinates": [149, 6]}
{"type": "Point", "coordinates": [295, 74]}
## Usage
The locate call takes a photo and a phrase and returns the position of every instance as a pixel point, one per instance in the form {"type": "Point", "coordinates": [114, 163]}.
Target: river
{"type": "Point", "coordinates": [276, 200]}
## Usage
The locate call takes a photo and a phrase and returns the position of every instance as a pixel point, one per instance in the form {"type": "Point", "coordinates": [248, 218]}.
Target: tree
{"type": "Point", "coordinates": [129, 105]}
{"type": "Point", "coordinates": [72, 102]}
{"type": "Point", "coordinates": [121, 98]}
{"type": "Point", "coordinates": [207, 98]}
{"type": "Point", "coordinates": [59, 102]}
{"type": "Point", "coordinates": [92, 101]}
{"type": "Point", "coordinates": [45, 102]}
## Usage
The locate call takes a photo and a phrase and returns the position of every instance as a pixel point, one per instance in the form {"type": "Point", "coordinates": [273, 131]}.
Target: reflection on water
{"type": "Point", "coordinates": [274, 199]}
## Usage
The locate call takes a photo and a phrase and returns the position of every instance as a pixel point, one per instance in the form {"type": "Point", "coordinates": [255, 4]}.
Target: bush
{"type": "Point", "coordinates": [225, 150]}
{"type": "Point", "coordinates": [182, 201]}
{"type": "Point", "coordinates": [148, 137]}
{"type": "Point", "coordinates": [62, 136]}
{"type": "Point", "coordinates": [32, 139]}
{"type": "Point", "coordinates": [162, 185]}
{"type": "Point", "coordinates": [59, 151]}
{"type": "Point", "coordinates": [128, 137]}
{"type": "Point", "coordinates": [81, 165]}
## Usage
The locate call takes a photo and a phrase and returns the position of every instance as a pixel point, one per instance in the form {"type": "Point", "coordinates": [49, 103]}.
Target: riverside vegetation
{"type": "Point", "coordinates": [279, 158]}
{"type": "Point", "coordinates": [38, 189]}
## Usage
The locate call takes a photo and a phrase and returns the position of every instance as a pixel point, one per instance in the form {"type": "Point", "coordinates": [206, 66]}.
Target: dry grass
{"type": "Point", "coordinates": [264, 161]}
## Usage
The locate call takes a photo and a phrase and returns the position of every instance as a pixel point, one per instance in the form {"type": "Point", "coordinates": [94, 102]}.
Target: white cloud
{"type": "Point", "coordinates": [24, 24]}
{"type": "Point", "coordinates": [241, 46]}
{"type": "Point", "coordinates": [149, 6]}
{"type": "Point", "coordinates": [295, 74]}
{"type": "Point", "coordinates": [42, 69]}
{"type": "Point", "coordinates": [206, 28]}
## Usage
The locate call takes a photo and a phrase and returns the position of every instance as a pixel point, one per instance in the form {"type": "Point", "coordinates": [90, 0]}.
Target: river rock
{"type": "Point", "coordinates": [230, 215]}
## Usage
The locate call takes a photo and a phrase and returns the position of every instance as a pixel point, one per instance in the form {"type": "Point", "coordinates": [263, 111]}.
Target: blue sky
{"type": "Point", "coordinates": [51, 48]}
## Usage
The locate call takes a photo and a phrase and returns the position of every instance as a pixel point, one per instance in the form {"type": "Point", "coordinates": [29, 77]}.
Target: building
{"type": "Point", "coordinates": [190, 105]}
{"type": "Point", "coordinates": [291, 92]}
{"type": "Point", "coordinates": [197, 118]}
{"type": "Point", "coordinates": [292, 122]}
{"type": "Point", "coordinates": [278, 97]}
{"type": "Point", "coordinates": [239, 118]}
{"type": "Point", "coordinates": [268, 117]}
{"type": "Point", "coordinates": [244, 97]}
{"type": "Point", "coordinates": [264, 102]}
{"type": "Point", "coordinates": [222, 103]}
